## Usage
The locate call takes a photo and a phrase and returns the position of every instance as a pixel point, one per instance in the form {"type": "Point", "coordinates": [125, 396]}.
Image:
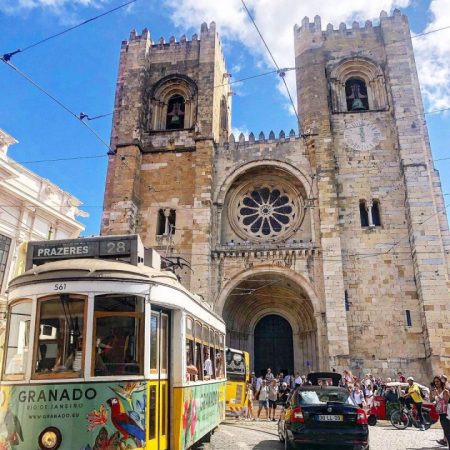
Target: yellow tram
{"type": "Point", "coordinates": [106, 351]}
{"type": "Point", "coordinates": [238, 375]}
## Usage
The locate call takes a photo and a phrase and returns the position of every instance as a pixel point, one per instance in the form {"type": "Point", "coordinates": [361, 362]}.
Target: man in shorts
{"type": "Point", "coordinates": [264, 399]}
{"type": "Point", "coordinates": [273, 397]}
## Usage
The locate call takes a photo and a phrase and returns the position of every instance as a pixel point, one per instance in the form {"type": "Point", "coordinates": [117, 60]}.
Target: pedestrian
{"type": "Point", "coordinates": [259, 381]}
{"type": "Point", "coordinates": [283, 393]}
{"type": "Point", "coordinates": [357, 395]}
{"type": "Point", "coordinates": [269, 375]}
{"type": "Point", "coordinates": [298, 380]}
{"type": "Point", "coordinates": [250, 399]}
{"type": "Point", "coordinates": [273, 398]}
{"type": "Point", "coordinates": [253, 381]}
{"type": "Point", "coordinates": [369, 395]}
{"type": "Point", "coordinates": [401, 377]}
{"type": "Point", "coordinates": [440, 394]}
{"type": "Point", "coordinates": [264, 399]}
{"type": "Point", "coordinates": [413, 396]}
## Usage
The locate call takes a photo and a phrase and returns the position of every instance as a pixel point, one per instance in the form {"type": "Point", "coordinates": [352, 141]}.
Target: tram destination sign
{"type": "Point", "coordinates": [125, 248]}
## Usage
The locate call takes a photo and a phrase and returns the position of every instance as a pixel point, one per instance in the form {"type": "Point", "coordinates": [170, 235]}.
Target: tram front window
{"type": "Point", "coordinates": [18, 340]}
{"type": "Point", "coordinates": [59, 333]}
{"type": "Point", "coordinates": [119, 322]}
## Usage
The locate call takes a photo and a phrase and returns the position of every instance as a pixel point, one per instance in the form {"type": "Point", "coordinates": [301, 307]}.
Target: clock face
{"type": "Point", "coordinates": [362, 135]}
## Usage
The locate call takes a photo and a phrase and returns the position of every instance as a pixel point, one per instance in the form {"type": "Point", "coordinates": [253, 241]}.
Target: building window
{"type": "Point", "coordinates": [363, 213]}
{"type": "Point", "coordinates": [175, 113]}
{"type": "Point", "coordinates": [5, 245]}
{"type": "Point", "coordinates": [408, 318]}
{"type": "Point", "coordinates": [376, 220]}
{"type": "Point", "coordinates": [166, 222]}
{"type": "Point", "coordinates": [357, 84]}
{"type": "Point", "coordinates": [347, 302]}
{"type": "Point", "coordinates": [356, 95]}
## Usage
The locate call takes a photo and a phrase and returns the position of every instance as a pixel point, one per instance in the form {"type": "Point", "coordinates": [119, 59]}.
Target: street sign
{"type": "Point", "coordinates": [125, 248]}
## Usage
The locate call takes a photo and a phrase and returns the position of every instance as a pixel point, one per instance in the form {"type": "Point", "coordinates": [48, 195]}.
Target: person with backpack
{"type": "Point", "coordinates": [414, 396]}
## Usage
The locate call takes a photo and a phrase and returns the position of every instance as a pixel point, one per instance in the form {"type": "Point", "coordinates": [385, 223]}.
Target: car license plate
{"type": "Point", "coordinates": [330, 418]}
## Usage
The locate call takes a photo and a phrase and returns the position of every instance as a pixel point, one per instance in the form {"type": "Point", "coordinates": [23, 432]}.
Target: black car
{"type": "Point", "coordinates": [323, 415]}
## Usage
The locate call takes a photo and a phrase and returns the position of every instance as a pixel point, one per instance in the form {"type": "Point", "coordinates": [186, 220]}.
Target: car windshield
{"type": "Point", "coordinates": [322, 397]}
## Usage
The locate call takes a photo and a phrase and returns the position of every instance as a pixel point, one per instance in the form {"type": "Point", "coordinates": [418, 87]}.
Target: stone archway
{"type": "Point", "coordinates": [261, 293]}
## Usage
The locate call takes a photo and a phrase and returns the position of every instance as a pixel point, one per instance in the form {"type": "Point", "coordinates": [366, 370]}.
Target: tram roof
{"type": "Point", "coordinates": [97, 269]}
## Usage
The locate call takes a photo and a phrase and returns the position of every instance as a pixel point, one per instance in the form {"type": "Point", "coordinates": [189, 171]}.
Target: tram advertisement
{"type": "Point", "coordinates": [202, 409]}
{"type": "Point", "coordinates": [94, 416]}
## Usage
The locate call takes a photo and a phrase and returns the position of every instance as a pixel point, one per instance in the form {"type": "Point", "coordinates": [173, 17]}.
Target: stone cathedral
{"type": "Point", "coordinates": [325, 247]}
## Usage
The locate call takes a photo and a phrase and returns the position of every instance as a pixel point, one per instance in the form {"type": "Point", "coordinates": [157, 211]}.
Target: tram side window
{"type": "Point", "coordinates": [118, 335]}
{"type": "Point", "coordinates": [191, 370]}
{"type": "Point", "coordinates": [18, 339]}
{"type": "Point", "coordinates": [212, 354]}
{"type": "Point", "coordinates": [198, 350]}
{"type": "Point", "coordinates": [220, 357]}
{"type": "Point", "coordinates": [59, 346]}
{"type": "Point", "coordinates": [207, 364]}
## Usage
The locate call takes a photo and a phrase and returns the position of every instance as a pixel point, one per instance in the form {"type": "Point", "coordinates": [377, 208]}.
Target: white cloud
{"type": "Point", "coordinates": [55, 6]}
{"type": "Point", "coordinates": [238, 130]}
{"type": "Point", "coordinates": [275, 20]}
{"type": "Point", "coordinates": [433, 57]}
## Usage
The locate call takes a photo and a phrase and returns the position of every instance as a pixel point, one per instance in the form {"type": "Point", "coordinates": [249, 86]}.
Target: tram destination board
{"type": "Point", "coordinates": [125, 248]}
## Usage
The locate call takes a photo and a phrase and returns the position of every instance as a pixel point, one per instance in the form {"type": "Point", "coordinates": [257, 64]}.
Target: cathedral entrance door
{"type": "Point", "coordinates": [273, 345]}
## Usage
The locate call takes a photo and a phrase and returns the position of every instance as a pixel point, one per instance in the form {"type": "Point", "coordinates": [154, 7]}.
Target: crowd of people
{"type": "Point", "coordinates": [268, 391]}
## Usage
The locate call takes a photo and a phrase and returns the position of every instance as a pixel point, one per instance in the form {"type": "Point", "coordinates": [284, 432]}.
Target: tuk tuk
{"type": "Point", "coordinates": [387, 400]}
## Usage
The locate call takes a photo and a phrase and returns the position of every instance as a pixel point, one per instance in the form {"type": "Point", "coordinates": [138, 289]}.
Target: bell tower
{"type": "Point", "coordinates": [172, 107]}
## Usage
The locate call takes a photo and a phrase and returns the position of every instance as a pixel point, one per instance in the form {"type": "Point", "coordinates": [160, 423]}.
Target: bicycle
{"type": "Point", "coordinates": [405, 417]}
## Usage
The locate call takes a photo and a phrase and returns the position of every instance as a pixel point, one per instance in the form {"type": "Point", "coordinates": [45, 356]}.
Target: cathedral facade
{"type": "Point", "coordinates": [324, 247]}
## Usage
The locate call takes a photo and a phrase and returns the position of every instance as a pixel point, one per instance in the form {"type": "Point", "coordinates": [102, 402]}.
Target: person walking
{"type": "Point", "coordinates": [440, 394]}
{"type": "Point", "coordinates": [357, 395]}
{"type": "Point", "coordinates": [259, 381]}
{"type": "Point", "coordinates": [273, 398]}
{"type": "Point", "coordinates": [264, 399]}
{"type": "Point", "coordinates": [413, 396]}
{"type": "Point", "coordinates": [250, 398]}
{"type": "Point", "coordinates": [298, 380]}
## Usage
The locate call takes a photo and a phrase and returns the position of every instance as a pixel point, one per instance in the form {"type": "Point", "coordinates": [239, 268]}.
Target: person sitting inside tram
{"type": "Point", "coordinates": [207, 366]}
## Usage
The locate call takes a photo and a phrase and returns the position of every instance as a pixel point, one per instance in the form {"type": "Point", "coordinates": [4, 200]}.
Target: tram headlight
{"type": "Point", "coordinates": [50, 439]}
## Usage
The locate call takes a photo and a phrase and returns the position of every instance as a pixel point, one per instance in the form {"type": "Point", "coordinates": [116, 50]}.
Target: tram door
{"type": "Point", "coordinates": [158, 387]}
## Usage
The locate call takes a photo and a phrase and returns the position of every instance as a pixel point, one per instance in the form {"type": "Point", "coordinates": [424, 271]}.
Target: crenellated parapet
{"type": "Point", "coordinates": [241, 140]}
{"type": "Point", "coordinates": [343, 30]}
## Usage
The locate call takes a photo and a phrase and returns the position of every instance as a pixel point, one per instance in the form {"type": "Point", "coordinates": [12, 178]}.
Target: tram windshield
{"type": "Point", "coordinates": [235, 365]}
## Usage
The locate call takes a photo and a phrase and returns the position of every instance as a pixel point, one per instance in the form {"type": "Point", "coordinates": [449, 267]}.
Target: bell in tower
{"type": "Point", "coordinates": [356, 93]}
{"type": "Point", "coordinates": [175, 113]}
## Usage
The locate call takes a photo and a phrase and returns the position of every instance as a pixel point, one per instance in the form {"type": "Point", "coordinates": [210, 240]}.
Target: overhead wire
{"type": "Point", "coordinates": [57, 101]}
{"type": "Point", "coordinates": [8, 56]}
{"type": "Point", "coordinates": [281, 72]}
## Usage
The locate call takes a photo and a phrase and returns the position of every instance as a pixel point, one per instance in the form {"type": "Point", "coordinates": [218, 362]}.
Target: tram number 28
{"type": "Point", "coordinates": [114, 247]}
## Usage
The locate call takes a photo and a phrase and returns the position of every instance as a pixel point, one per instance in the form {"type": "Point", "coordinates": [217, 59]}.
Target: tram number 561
{"type": "Point", "coordinates": [60, 287]}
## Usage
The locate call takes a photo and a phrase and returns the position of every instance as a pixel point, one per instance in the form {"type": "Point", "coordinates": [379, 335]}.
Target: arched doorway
{"type": "Point", "coordinates": [273, 345]}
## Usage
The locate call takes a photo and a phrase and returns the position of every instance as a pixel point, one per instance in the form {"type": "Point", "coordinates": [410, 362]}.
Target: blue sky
{"type": "Point", "coordinates": [80, 68]}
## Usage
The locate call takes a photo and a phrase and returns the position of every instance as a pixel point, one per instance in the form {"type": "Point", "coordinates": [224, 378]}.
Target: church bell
{"type": "Point", "coordinates": [358, 105]}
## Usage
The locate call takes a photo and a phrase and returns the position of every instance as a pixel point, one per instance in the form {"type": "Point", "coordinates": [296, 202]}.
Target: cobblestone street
{"type": "Point", "coordinates": [262, 435]}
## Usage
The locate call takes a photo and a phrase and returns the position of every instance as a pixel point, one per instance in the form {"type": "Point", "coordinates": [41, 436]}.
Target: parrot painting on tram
{"type": "Point", "coordinates": [123, 422]}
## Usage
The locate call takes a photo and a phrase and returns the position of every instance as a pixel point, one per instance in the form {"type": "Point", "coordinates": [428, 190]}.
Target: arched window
{"type": "Point", "coordinates": [175, 113]}
{"type": "Point", "coordinates": [376, 219]}
{"type": "Point", "coordinates": [363, 213]}
{"type": "Point", "coordinates": [356, 95]}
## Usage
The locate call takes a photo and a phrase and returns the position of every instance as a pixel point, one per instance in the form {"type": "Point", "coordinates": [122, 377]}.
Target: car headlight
{"type": "Point", "coordinates": [50, 439]}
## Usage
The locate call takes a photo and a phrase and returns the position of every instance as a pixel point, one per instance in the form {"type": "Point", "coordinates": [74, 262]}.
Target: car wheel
{"type": "Point", "coordinates": [287, 444]}
{"type": "Point", "coordinates": [280, 432]}
{"type": "Point", "coordinates": [372, 420]}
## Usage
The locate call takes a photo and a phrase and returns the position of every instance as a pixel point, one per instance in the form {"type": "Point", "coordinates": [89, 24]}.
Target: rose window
{"type": "Point", "coordinates": [266, 211]}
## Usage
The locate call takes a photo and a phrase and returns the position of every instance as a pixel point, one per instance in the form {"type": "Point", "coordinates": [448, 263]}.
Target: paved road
{"type": "Point", "coordinates": [262, 435]}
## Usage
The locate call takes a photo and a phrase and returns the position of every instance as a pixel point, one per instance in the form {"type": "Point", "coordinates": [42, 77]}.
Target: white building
{"type": "Point", "coordinates": [31, 208]}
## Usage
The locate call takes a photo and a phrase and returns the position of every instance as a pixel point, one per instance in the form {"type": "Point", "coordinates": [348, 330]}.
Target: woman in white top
{"type": "Point", "coordinates": [441, 396]}
{"type": "Point", "coordinates": [358, 396]}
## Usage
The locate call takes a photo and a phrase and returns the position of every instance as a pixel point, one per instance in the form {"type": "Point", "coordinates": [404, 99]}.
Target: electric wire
{"type": "Point", "coordinates": [58, 102]}
{"type": "Point", "coordinates": [8, 56]}
{"type": "Point", "coordinates": [281, 72]}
